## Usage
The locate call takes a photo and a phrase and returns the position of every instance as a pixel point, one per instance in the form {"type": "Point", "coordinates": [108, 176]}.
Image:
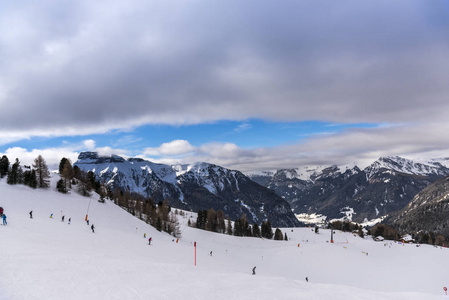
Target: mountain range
{"type": "Point", "coordinates": [390, 186]}
{"type": "Point", "coordinates": [193, 187]}
{"type": "Point", "coordinates": [387, 185]}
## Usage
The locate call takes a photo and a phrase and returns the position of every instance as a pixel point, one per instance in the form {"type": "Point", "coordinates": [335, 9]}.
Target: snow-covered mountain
{"type": "Point", "coordinates": [193, 187]}
{"type": "Point", "coordinates": [44, 258]}
{"type": "Point", "coordinates": [438, 167]}
{"type": "Point", "coordinates": [387, 185]}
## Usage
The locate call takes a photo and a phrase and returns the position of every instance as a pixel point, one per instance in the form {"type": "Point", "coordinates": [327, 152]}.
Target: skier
{"type": "Point", "coordinates": [211, 253]}
{"type": "Point", "coordinates": [93, 228]}
{"type": "Point", "coordinates": [70, 219]}
{"type": "Point", "coordinates": [62, 220]}
{"type": "Point", "coordinates": [87, 222]}
{"type": "Point", "coordinates": [4, 219]}
{"type": "Point", "coordinates": [1, 211]}
{"type": "Point", "coordinates": [307, 279]}
{"type": "Point", "coordinates": [31, 214]}
{"type": "Point", "coordinates": [144, 235]}
{"type": "Point", "coordinates": [149, 241]}
{"type": "Point", "coordinates": [51, 216]}
{"type": "Point", "coordinates": [254, 271]}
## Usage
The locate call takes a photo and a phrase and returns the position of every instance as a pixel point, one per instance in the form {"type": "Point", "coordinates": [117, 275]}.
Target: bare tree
{"type": "Point", "coordinates": [42, 173]}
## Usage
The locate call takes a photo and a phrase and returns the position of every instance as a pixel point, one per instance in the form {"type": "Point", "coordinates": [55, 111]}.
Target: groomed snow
{"type": "Point", "coordinates": [44, 258]}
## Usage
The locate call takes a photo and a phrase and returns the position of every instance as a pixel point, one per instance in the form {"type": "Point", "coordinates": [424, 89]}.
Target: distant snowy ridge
{"type": "Point", "coordinates": [386, 185]}
{"type": "Point", "coordinates": [408, 166]}
{"type": "Point", "coordinates": [437, 166]}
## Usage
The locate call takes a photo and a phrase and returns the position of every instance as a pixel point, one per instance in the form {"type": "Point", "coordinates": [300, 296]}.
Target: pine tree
{"type": "Point", "coordinates": [29, 177]}
{"type": "Point", "coordinates": [158, 223]}
{"type": "Point", "coordinates": [267, 231]}
{"type": "Point", "coordinates": [4, 166]}
{"type": "Point", "coordinates": [360, 232]}
{"type": "Point", "coordinates": [278, 236]}
{"type": "Point", "coordinates": [256, 230]}
{"type": "Point", "coordinates": [221, 227]}
{"type": "Point", "coordinates": [238, 227]}
{"type": "Point", "coordinates": [211, 222]}
{"type": "Point", "coordinates": [66, 172]}
{"type": "Point", "coordinates": [60, 186]}
{"type": "Point", "coordinates": [77, 172]}
{"type": "Point", "coordinates": [229, 227]}
{"type": "Point", "coordinates": [84, 186]}
{"type": "Point", "coordinates": [15, 173]}
{"type": "Point", "coordinates": [201, 219]}
{"type": "Point", "coordinates": [138, 206]}
{"type": "Point", "coordinates": [62, 165]}
{"type": "Point", "coordinates": [42, 173]}
{"type": "Point", "coordinates": [246, 229]}
{"type": "Point", "coordinates": [176, 226]}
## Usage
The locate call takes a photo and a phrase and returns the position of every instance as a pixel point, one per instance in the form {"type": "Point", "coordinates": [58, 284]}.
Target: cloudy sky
{"type": "Point", "coordinates": [248, 85]}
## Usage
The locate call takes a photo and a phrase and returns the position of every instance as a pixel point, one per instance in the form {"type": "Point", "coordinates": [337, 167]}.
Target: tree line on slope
{"type": "Point", "coordinates": [35, 176]}
{"type": "Point", "coordinates": [214, 221]}
{"type": "Point", "coordinates": [159, 216]}
{"type": "Point", "coordinates": [390, 233]}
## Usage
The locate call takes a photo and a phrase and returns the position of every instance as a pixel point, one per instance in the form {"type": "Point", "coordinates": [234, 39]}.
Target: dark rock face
{"type": "Point", "coordinates": [428, 211]}
{"type": "Point", "coordinates": [197, 187]}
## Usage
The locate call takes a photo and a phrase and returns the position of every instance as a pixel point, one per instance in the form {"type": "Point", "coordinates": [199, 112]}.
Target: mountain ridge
{"type": "Point", "coordinates": [386, 185]}
{"type": "Point", "coordinates": [195, 187]}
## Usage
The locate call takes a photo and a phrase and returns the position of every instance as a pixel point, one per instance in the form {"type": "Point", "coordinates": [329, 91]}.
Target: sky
{"type": "Point", "coordinates": [249, 85]}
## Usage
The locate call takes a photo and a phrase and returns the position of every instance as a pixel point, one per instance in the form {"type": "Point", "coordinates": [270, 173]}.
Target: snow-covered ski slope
{"type": "Point", "coordinates": [44, 258]}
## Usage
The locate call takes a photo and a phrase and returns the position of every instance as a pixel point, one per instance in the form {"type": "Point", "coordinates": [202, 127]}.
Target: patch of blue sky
{"type": "Point", "coordinates": [246, 134]}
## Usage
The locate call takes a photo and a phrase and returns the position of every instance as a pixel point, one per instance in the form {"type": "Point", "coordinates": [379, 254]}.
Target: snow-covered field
{"type": "Point", "coordinates": [44, 258]}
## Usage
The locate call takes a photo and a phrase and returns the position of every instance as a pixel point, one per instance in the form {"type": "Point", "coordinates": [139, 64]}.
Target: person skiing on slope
{"type": "Point", "coordinates": [4, 219]}
{"type": "Point", "coordinates": [93, 228]}
{"type": "Point", "coordinates": [62, 220]}
{"type": "Point", "coordinates": [149, 241]}
{"type": "Point", "coordinates": [254, 271]}
{"type": "Point", "coordinates": [51, 216]}
{"type": "Point", "coordinates": [31, 214]}
{"type": "Point", "coordinates": [70, 219]}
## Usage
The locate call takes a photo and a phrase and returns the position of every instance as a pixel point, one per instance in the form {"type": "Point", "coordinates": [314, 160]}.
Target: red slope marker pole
{"type": "Point", "coordinates": [194, 244]}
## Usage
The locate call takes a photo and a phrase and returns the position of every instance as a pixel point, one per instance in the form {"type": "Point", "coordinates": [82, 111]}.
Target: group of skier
{"type": "Point", "coordinates": [3, 216]}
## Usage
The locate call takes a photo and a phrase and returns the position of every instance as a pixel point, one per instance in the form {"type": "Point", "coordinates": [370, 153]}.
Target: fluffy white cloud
{"type": "Point", "coordinates": [89, 144]}
{"type": "Point", "coordinates": [176, 147]}
{"type": "Point", "coordinates": [355, 146]}
{"type": "Point", "coordinates": [52, 156]}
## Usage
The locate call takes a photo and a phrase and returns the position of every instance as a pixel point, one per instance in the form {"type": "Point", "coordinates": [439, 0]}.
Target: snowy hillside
{"type": "Point", "coordinates": [44, 258]}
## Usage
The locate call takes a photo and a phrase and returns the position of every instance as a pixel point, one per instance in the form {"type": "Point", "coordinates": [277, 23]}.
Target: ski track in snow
{"type": "Point", "coordinates": [44, 258]}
